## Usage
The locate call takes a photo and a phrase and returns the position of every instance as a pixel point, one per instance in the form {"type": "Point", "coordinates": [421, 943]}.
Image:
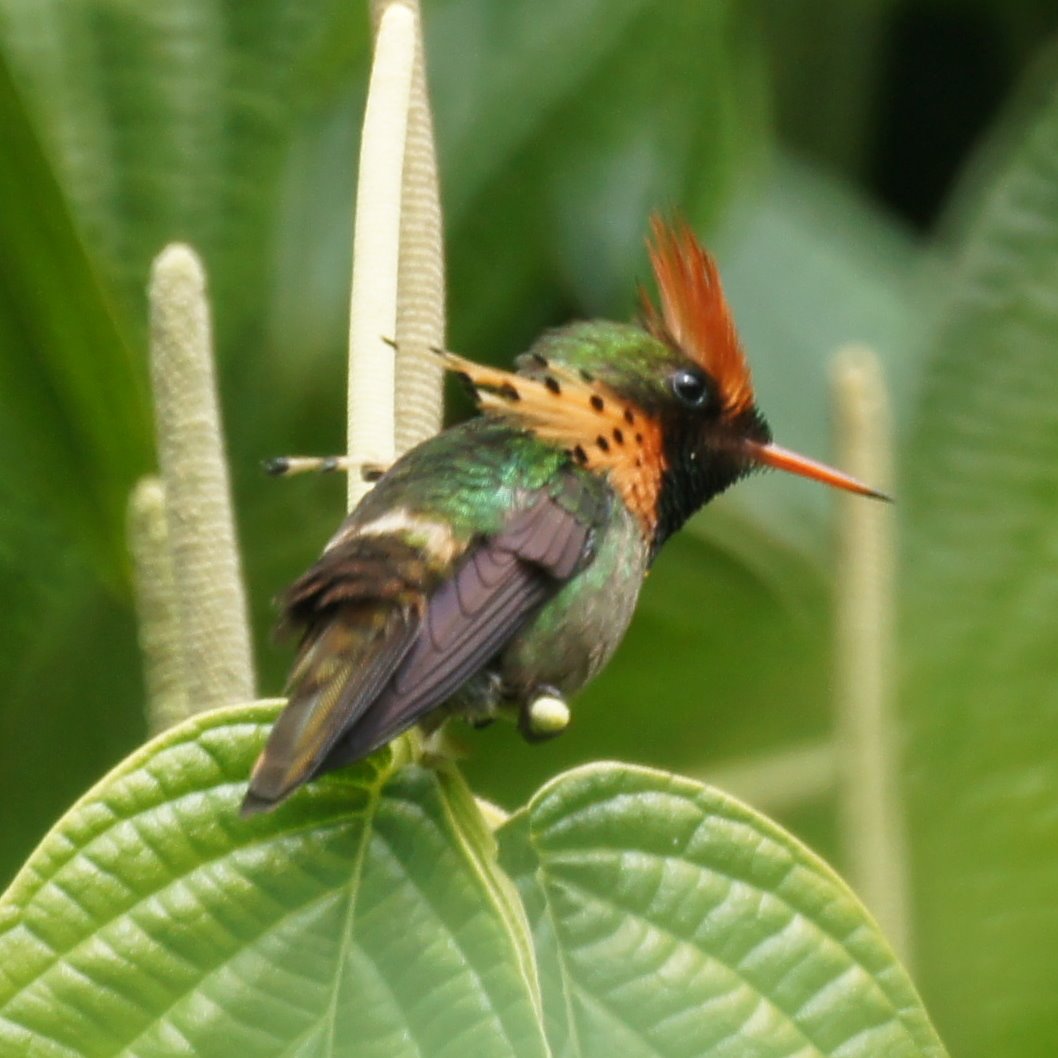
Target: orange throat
{"type": "Point", "coordinates": [601, 431]}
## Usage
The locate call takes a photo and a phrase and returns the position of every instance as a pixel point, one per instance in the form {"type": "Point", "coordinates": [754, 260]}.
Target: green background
{"type": "Point", "coordinates": [866, 171]}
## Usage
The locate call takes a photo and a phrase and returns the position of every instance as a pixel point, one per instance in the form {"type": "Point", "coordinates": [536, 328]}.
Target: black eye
{"type": "Point", "coordinates": [691, 388]}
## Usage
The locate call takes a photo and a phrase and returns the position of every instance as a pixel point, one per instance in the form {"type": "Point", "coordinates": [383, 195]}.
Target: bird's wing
{"type": "Point", "coordinates": [498, 586]}
{"type": "Point", "coordinates": [370, 668]}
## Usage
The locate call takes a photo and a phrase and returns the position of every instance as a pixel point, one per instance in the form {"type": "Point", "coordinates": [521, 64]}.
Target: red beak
{"type": "Point", "coordinates": [783, 459]}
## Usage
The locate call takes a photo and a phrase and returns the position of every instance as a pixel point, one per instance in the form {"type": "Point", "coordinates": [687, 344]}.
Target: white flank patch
{"type": "Point", "coordinates": [435, 537]}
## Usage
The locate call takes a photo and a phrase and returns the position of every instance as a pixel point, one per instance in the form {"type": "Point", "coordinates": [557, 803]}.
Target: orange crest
{"type": "Point", "coordinates": [694, 314]}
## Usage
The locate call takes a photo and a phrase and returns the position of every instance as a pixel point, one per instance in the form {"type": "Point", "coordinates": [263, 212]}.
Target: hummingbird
{"type": "Point", "coordinates": [494, 568]}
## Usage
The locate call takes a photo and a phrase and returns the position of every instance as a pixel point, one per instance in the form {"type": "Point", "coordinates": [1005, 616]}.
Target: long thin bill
{"type": "Point", "coordinates": [772, 455]}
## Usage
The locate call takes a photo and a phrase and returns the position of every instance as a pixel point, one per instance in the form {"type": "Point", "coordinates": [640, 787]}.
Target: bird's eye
{"type": "Point", "coordinates": [691, 388]}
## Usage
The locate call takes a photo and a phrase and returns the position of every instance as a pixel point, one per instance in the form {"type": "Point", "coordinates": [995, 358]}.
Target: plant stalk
{"type": "Point", "coordinates": [871, 805]}
{"type": "Point", "coordinates": [376, 248]}
{"type": "Point", "coordinates": [211, 600]}
{"type": "Point", "coordinates": [157, 606]}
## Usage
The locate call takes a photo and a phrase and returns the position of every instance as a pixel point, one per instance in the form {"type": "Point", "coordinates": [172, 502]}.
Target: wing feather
{"type": "Point", "coordinates": [372, 664]}
{"type": "Point", "coordinates": [496, 590]}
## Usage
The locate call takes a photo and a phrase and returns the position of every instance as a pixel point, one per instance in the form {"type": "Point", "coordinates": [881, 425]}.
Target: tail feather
{"type": "Point", "coordinates": [341, 669]}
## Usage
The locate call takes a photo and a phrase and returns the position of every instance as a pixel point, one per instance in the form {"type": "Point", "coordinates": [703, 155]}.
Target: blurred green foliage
{"type": "Point", "coordinates": [870, 171]}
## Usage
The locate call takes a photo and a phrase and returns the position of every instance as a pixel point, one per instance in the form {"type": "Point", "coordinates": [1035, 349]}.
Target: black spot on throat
{"type": "Point", "coordinates": [552, 384]}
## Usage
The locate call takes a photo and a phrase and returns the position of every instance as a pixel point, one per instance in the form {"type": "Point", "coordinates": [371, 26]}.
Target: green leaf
{"type": "Point", "coordinates": [72, 693]}
{"type": "Point", "coordinates": [552, 72]}
{"type": "Point", "coordinates": [830, 114]}
{"type": "Point", "coordinates": [64, 360]}
{"type": "Point", "coordinates": [993, 153]}
{"type": "Point", "coordinates": [369, 916]}
{"type": "Point", "coordinates": [671, 920]}
{"type": "Point", "coordinates": [581, 140]}
{"type": "Point", "coordinates": [364, 917]}
{"type": "Point", "coordinates": [982, 640]}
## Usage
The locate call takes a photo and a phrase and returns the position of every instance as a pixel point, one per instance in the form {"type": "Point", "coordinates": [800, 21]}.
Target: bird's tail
{"type": "Point", "coordinates": [343, 664]}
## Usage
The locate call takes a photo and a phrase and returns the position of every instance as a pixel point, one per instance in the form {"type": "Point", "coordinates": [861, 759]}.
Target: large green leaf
{"type": "Point", "coordinates": [982, 640]}
{"type": "Point", "coordinates": [829, 113]}
{"type": "Point", "coordinates": [72, 405]}
{"type": "Point", "coordinates": [369, 915]}
{"type": "Point", "coordinates": [671, 920]}
{"type": "Point", "coordinates": [365, 917]}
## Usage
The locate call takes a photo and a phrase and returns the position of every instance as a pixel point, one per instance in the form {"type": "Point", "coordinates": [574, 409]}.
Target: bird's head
{"type": "Point", "coordinates": [665, 407]}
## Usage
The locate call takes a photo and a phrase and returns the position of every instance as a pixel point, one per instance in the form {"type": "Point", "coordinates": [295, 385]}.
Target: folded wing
{"type": "Point", "coordinates": [387, 641]}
